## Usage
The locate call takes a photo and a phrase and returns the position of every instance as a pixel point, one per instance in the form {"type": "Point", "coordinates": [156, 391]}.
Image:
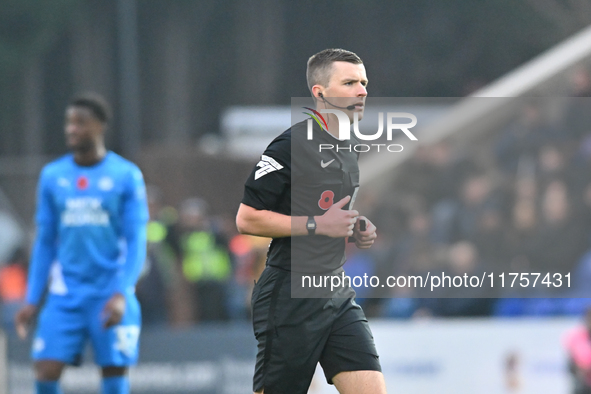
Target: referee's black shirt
{"type": "Point", "coordinates": [295, 178]}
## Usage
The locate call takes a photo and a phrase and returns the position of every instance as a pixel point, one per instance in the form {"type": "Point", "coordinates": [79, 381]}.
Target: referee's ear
{"type": "Point", "coordinates": [317, 92]}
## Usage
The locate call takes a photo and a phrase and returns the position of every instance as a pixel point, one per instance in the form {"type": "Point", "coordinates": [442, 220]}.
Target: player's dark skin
{"type": "Point", "coordinates": [85, 138]}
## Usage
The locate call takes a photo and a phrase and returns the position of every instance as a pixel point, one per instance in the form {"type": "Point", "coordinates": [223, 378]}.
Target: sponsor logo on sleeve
{"type": "Point", "coordinates": [267, 165]}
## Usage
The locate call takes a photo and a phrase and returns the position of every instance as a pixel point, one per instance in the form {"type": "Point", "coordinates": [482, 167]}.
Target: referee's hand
{"type": "Point", "coordinates": [337, 222]}
{"type": "Point", "coordinates": [364, 239]}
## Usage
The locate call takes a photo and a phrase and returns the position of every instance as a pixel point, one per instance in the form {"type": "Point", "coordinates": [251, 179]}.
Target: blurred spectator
{"type": "Point", "coordinates": [458, 219]}
{"type": "Point", "coordinates": [250, 255]}
{"type": "Point", "coordinates": [205, 260]}
{"type": "Point", "coordinates": [463, 259]}
{"type": "Point", "coordinates": [13, 286]}
{"type": "Point", "coordinates": [415, 252]}
{"type": "Point", "coordinates": [513, 378]}
{"type": "Point", "coordinates": [451, 170]}
{"type": "Point", "coordinates": [578, 345]}
{"type": "Point", "coordinates": [490, 237]}
{"type": "Point", "coordinates": [577, 116]}
{"type": "Point", "coordinates": [580, 82]}
{"type": "Point", "coordinates": [559, 241]}
{"type": "Point", "coordinates": [553, 164]}
{"type": "Point", "coordinates": [435, 173]}
{"type": "Point", "coordinates": [581, 276]}
{"type": "Point", "coordinates": [162, 290]}
{"type": "Point", "coordinates": [523, 138]}
{"type": "Point", "coordinates": [584, 210]}
{"type": "Point", "coordinates": [476, 200]}
{"type": "Point", "coordinates": [522, 227]}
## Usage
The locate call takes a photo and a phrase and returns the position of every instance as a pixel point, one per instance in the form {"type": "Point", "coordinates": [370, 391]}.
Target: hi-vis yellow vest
{"type": "Point", "coordinates": [203, 259]}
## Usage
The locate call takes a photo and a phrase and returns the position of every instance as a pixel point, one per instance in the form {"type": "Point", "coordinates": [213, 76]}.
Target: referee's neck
{"type": "Point", "coordinates": [333, 124]}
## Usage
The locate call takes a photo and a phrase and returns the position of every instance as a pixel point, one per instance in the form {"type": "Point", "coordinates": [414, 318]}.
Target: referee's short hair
{"type": "Point", "coordinates": [320, 64]}
{"type": "Point", "coordinates": [96, 103]}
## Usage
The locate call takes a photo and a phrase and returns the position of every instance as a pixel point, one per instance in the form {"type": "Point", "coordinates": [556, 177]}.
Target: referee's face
{"type": "Point", "coordinates": [348, 85]}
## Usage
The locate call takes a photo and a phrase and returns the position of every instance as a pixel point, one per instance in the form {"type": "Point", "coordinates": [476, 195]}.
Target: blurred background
{"type": "Point", "coordinates": [199, 88]}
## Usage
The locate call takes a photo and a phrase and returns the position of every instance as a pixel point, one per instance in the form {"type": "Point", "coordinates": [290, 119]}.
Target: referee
{"type": "Point", "coordinates": [301, 198]}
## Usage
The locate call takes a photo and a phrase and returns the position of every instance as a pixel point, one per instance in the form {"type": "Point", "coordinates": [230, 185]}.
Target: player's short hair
{"type": "Point", "coordinates": [96, 103]}
{"type": "Point", "coordinates": [320, 65]}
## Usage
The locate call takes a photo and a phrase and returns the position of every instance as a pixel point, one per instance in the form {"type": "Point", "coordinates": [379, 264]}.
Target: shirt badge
{"type": "Point", "coordinates": [63, 182]}
{"type": "Point", "coordinates": [106, 183]}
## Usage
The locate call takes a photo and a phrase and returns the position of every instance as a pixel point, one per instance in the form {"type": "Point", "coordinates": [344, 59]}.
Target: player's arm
{"type": "Point", "coordinates": [134, 219]}
{"type": "Point", "coordinates": [335, 222]}
{"type": "Point", "coordinates": [43, 254]}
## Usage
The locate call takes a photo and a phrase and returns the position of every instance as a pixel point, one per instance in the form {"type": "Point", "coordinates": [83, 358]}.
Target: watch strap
{"type": "Point", "coordinates": [311, 225]}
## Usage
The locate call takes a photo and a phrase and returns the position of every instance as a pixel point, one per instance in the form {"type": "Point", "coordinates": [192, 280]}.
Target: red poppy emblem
{"type": "Point", "coordinates": [82, 183]}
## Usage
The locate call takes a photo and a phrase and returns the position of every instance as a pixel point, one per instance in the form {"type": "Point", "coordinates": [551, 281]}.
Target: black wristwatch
{"type": "Point", "coordinates": [311, 225]}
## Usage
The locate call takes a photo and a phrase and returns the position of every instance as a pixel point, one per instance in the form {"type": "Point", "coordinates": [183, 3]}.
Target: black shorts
{"type": "Point", "coordinates": [294, 334]}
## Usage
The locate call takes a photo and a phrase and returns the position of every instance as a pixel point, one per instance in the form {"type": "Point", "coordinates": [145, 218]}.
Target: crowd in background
{"type": "Point", "coordinates": [517, 201]}
{"type": "Point", "coordinates": [198, 267]}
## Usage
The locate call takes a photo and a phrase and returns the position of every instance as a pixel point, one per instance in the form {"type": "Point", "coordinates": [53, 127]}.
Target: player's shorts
{"type": "Point", "coordinates": [294, 334]}
{"type": "Point", "coordinates": [63, 331]}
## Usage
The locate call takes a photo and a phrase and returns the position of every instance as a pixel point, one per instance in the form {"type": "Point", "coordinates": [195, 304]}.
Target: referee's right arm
{"type": "Point", "coordinates": [335, 222]}
{"type": "Point", "coordinates": [264, 190]}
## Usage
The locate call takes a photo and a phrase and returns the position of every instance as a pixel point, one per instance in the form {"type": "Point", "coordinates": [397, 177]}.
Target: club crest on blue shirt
{"type": "Point", "coordinates": [105, 183]}
{"type": "Point", "coordinates": [63, 182]}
